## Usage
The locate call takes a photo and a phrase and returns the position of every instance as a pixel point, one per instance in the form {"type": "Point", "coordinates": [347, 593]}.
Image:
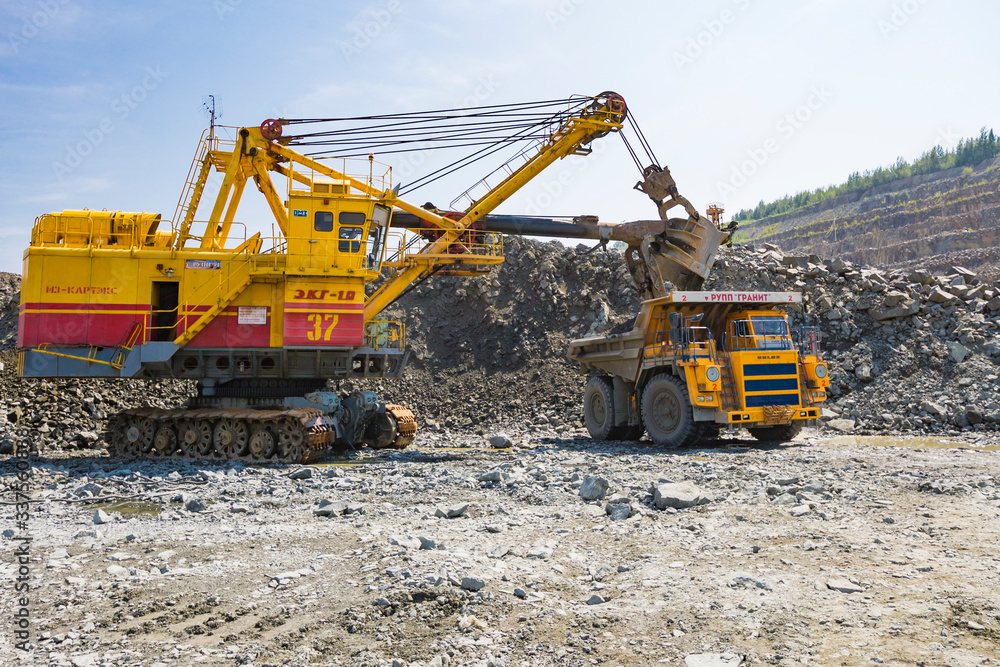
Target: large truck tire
{"type": "Point", "coordinates": [667, 414]}
{"type": "Point", "coordinates": [599, 407]}
{"type": "Point", "coordinates": [599, 412]}
{"type": "Point", "coordinates": [782, 433]}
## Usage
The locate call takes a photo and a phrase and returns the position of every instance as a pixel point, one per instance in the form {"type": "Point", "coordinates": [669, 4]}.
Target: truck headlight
{"type": "Point", "coordinates": [713, 374]}
{"type": "Point", "coordinates": [821, 371]}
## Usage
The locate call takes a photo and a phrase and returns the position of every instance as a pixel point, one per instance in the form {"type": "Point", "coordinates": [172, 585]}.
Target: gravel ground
{"type": "Point", "coordinates": [820, 552]}
{"type": "Point", "coordinates": [553, 549]}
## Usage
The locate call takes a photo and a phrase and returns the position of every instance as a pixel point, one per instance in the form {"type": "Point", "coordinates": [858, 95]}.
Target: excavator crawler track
{"type": "Point", "coordinates": [255, 436]}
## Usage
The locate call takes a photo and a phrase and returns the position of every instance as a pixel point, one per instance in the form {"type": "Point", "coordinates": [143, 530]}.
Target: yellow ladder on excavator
{"type": "Point", "coordinates": [194, 188]}
{"type": "Point", "coordinates": [237, 281]}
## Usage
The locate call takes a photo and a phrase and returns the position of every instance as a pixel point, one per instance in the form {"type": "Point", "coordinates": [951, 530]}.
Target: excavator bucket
{"type": "Point", "coordinates": [678, 251]}
{"type": "Point", "coordinates": [684, 252]}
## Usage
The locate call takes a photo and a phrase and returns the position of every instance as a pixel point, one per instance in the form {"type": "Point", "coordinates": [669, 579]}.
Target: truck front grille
{"type": "Point", "coordinates": [773, 384]}
{"type": "Point", "coordinates": [757, 370]}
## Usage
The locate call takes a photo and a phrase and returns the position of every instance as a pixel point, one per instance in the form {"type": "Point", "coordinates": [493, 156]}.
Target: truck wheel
{"type": "Point", "coordinates": [599, 407]}
{"type": "Point", "coordinates": [782, 433]}
{"type": "Point", "coordinates": [666, 412]}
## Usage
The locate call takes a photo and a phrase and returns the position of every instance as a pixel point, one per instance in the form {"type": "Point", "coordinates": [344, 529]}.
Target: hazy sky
{"type": "Point", "coordinates": [100, 102]}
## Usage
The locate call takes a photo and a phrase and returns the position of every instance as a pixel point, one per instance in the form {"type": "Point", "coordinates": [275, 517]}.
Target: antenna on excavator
{"type": "Point", "coordinates": [209, 106]}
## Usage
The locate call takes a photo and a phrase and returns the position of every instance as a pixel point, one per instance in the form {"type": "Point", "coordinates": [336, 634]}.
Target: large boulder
{"type": "Point", "coordinates": [593, 488]}
{"type": "Point", "coordinates": [894, 305]}
{"type": "Point", "coordinates": [678, 495]}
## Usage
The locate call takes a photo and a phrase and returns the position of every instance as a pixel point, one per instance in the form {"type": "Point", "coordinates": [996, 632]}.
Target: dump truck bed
{"type": "Point", "coordinates": [622, 354]}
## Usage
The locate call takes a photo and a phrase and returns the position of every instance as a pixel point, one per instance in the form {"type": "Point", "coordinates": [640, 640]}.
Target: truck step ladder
{"type": "Point", "coordinates": [728, 385]}
{"type": "Point", "coordinates": [805, 393]}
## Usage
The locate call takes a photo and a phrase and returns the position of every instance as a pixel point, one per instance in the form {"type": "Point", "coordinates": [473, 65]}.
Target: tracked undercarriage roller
{"type": "Point", "coordinates": [290, 435]}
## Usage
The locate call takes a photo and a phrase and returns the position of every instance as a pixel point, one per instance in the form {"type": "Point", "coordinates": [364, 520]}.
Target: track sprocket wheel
{"type": "Point", "coordinates": [165, 441]}
{"type": "Point", "coordinates": [231, 437]}
{"type": "Point", "coordinates": [261, 443]}
{"type": "Point", "coordinates": [116, 436]}
{"type": "Point", "coordinates": [406, 425]}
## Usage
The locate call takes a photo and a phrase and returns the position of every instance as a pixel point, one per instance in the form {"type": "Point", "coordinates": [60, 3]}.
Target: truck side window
{"type": "Point", "coordinates": [323, 221]}
{"type": "Point", "coordinates": [350, 239]}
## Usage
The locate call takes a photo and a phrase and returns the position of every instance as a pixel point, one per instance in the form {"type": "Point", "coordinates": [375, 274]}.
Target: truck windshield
{"type": "Point", "coordinates": [771, 333]}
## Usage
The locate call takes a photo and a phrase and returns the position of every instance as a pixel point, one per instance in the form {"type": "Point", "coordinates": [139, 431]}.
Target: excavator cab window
{"type": "Point", "coordinates": [350, 239]}
{"type": "Point", "coordinates": [351, 230]}
{"type": "Point", "coordinates": [323, 221]}
{"type": "Point", "coordinates": [377, 237]}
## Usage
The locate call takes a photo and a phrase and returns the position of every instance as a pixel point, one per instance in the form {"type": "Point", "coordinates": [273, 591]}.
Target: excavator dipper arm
{"type": "Point", "coordinates": [660, 253]}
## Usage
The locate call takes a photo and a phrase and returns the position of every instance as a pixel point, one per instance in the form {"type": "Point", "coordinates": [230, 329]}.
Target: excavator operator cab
{"type": "Point", "coordinates": [329, 229]}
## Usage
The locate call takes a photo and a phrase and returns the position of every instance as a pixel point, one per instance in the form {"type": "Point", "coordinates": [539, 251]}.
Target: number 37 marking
{"type": "Point", "coordinates": [322, 326]}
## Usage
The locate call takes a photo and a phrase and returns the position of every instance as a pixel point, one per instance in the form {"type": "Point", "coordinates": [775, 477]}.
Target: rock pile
{"type": "Point", "coordinates": [909, 351]}
{"type": "Point", "coordinates": [490, 351]}
{"type": "Point", "coordinates": [10, 294]}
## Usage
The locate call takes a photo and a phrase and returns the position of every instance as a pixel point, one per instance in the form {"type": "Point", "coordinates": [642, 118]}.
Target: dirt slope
{"type": "Point", "coordinates": [932, 222]}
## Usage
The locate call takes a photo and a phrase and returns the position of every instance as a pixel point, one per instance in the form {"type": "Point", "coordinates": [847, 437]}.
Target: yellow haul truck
{"type": "Point", "coordinates": [699, 361]}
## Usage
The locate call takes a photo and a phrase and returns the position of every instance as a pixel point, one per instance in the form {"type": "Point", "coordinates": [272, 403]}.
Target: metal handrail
{"type": "Point", "coordinates": [694, 343]}
{"type": "Point", "coordinates": [385, 335]}
{"type": "Point", "coordinates": [187, 308]}
{"type": "Point", "coordinates": [472, 242]}
{"type": "Point", "coordinates": [128, 340]}
{"type": "Point", "coordinates": [196, 237]}
{"type": "Point", "coordinates": [807, 340]}
{"type": "Point", "coordinates": [61, 229]}
{"type": "Point", "coordinates": [375, 180]}
{"type": "Point", "coordinates": [741, 342]}
{"type": "Point", "coordinates": [505, 167]}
